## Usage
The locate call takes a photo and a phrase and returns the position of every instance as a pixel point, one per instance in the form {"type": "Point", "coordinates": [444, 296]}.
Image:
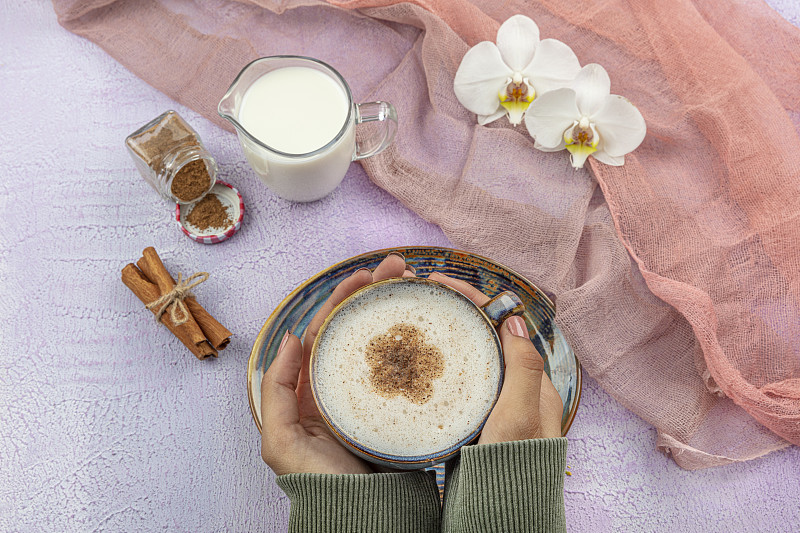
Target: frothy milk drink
{"type": "Point", "coordinates": [407, 369]}
{"type": "Point", "coordinates": [298, 110]}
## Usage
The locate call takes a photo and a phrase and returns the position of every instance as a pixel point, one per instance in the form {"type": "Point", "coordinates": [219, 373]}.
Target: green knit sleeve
{"type": "Point", "coordinates": [407, 502]}
{"type": "Point", "coordinates": [508, 486]}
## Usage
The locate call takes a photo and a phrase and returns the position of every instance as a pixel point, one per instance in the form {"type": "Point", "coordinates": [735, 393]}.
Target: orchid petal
{"type": "Point", "coordinates": [486, 119]}
{"type": "Point", "coordinates": [592, 85]}
{"type": "Point", "coordinates": [554, 66]}
{"type": "Point", "coordinates": [558, 148]}
{"type": "Point", "coordinates": [620, 125]}
{"type": "Point", "coordinates": [516, 98]}
{"type": "Point", "coordinates": [579, 152]}
{"type": "Point", "coordinates": [517, 39]}
{"type": "Point", "coordinates": [516, 110]}
{"type": "Point", "coordinates": [603, 157]}
{"type": "Point", "coordinates": [595, 136]}
{"type": "Point", "coordinates": [550, 115]}
{"type": "Point", "coordinates": [480, 77]}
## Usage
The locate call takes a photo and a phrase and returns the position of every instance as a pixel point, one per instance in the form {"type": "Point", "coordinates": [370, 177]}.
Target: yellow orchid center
{"type": "Point", "coordinates": [516, 96]}
{"type": "Point", "coordinates": [581, 140]}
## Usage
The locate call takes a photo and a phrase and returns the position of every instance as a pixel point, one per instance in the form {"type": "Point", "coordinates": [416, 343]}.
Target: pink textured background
{"type": "Point", "coordinates": [108, 424]}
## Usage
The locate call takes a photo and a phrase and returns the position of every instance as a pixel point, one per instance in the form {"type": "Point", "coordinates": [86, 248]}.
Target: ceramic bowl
{"type": "Point", "coordinates": [491, 315]}
{"type": "Point", "coordinates": [298, 308]}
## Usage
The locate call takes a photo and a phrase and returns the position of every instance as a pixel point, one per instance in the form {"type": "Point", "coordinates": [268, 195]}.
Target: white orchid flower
{"type": "Point", "coordinates": [586, 119]}
{"type": "Point", "coordinates": [495, 79]}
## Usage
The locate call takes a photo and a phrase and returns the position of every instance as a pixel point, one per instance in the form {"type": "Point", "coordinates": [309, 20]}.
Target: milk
{"type": "Point", "coordinates": [297, 110]}
{"type": "Point", "coordinates": [461, 397]}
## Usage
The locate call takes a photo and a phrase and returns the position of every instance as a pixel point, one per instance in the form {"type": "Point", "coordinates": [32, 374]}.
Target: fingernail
{"type": "Point", "coordinates": [283, 341]}
{"type": "Point", "coordinates": [365, 269]}
{"type": "Point", "coordinates": [516, 325]}
{"type": "Point", "coordinates": [411, 268]}
{"type": "Point", "coordinates": [398, 254]}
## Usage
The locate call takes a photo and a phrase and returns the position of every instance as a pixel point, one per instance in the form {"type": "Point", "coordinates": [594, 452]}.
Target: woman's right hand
{"type": "Point", "coordinates": [529, 406]}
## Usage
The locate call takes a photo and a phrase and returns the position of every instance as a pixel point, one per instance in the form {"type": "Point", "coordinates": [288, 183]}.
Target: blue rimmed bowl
{"type": "Point", "coordinates": [299, 307]}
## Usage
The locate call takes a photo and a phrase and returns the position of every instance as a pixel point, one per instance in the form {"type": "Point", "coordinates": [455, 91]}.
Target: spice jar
{"type": "Point", "coordinates": [172, 159]}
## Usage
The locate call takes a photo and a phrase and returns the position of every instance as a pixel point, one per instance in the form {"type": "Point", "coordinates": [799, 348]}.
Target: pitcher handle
{"type": "Point", "coordinates": [375, 112]}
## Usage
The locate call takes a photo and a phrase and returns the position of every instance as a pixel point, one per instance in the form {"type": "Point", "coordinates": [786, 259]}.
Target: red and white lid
{"type": "Point", "coordinates": [230, 199]}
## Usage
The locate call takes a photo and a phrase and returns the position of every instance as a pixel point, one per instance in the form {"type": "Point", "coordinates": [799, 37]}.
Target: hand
{"type": "Point", "coordinates": [529, 406]}
{"type": "Point", "coordinates": [294, 437]}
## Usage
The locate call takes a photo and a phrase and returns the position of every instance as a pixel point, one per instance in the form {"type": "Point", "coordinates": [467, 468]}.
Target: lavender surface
{"type": "Point", "coordinates": [107, 423]}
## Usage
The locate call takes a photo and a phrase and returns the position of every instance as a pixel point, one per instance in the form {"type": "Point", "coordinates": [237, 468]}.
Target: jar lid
{"type": "Point", "coordinates": [232, 203]}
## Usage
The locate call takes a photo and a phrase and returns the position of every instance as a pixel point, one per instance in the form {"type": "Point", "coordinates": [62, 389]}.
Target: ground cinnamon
{"type": "Point", "coordinates": [166, 134]}
{"type": "Point", "coordinates": [209, 213]}
{"type": "Point", "coordinates": [191, 181]}
{"type": "Point", "coordinates": [171, 158]}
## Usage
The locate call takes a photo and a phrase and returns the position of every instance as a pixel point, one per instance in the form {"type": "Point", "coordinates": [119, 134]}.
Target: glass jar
{"type": "Point", "coordinates": [170, 157]}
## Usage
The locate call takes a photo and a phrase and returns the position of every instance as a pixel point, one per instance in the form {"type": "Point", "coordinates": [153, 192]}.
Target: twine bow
{"type": "Point", "coordinates": [182, 289]}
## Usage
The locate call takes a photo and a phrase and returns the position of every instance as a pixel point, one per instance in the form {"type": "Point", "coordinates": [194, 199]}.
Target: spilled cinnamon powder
{"type": "Point", "coordinates": [209, 213]}
{"type": "Point", "coordinates": [401, 362]}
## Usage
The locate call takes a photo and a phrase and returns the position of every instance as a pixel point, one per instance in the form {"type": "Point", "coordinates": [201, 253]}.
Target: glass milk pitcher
{"type": "Point", "coordinates": [302, 173]}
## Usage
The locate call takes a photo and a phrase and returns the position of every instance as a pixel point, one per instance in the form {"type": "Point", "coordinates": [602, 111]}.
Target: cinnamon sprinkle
{"type": "Point", "coordinates": [402, 362]}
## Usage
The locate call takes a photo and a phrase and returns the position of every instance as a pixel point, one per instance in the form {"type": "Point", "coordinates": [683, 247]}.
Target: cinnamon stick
{"type": "Point", "coordinates": [151, 266]}
{"type": "Point", "coordinates": [147, 292]}
{"type": "Point", "coordinates": [217, 334]}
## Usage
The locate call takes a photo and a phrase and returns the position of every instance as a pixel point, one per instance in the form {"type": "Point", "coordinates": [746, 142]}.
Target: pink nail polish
{"type": "Point", "coordinates": [516, 325]}
{"type": "Point", "coordinates": [360, 270]}
{"type": "Point", "coordinates": [283, 341]}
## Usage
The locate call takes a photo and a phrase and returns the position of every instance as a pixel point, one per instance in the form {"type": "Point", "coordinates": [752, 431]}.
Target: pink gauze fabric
{"type": "Point", "coordinates": [676, 276]}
